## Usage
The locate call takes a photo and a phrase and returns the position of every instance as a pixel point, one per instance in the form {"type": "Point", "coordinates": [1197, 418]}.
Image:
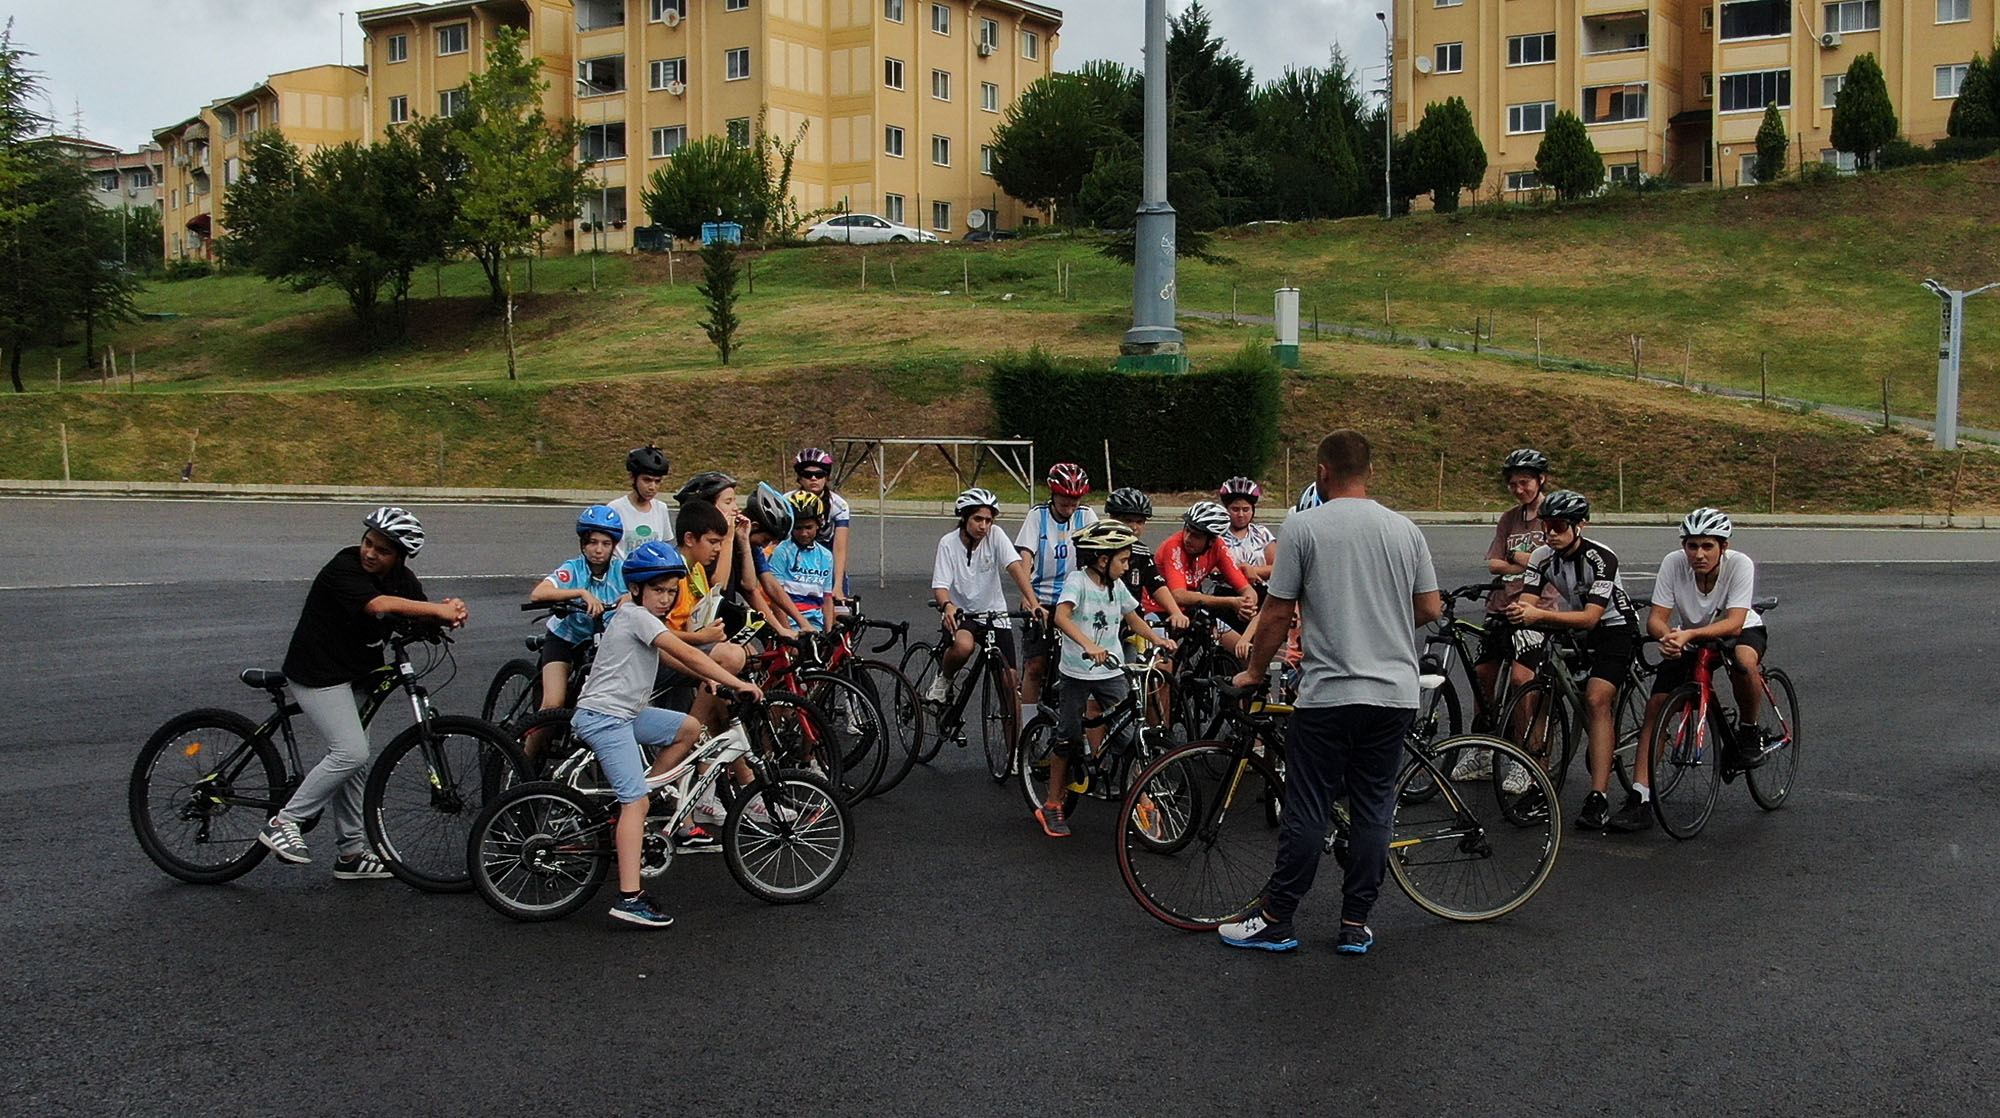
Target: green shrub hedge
{"type": "Point", "coordinates": [1168, 431]}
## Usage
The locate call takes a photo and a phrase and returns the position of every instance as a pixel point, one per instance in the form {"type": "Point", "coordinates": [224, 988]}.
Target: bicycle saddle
{"type": "Point", "coordinates": [1764, 605]}
{"type": "Point", "coordinates": [258, 677]}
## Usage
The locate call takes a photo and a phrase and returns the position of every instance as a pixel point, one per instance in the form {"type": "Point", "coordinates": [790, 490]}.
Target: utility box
{"type": "Point", "coordinates": [1286, 349]}
{"type": "Point", "coordinates": [727, 231]}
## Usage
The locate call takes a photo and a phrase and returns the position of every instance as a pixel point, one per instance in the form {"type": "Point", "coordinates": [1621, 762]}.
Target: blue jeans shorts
{"type": "Point", "coordinates": [616, 742]}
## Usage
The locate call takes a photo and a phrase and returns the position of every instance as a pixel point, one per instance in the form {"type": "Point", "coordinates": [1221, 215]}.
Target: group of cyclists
{"type": "Point", "coordinates": [1087, 585]}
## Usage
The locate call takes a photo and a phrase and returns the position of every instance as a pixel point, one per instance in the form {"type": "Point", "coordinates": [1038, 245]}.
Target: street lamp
{"type": "Point", "coordinates": [1951, 348]}
{"type": "Point", "coordinates": [1154, 343]}
{"type": "Point", "coordinates": [1388, 110]}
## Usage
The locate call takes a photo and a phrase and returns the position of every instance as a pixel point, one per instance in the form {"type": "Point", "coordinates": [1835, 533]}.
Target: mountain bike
{"type": "Point", "coordinates": [1697, 744]}
{"type": "Point", "coordinates": [516, 689]}
{"type": "Point", "coordinates": [1129, 743]}
{"type": "Point", "coordinates": [207, 781]}
{"type": "Point", "coordinates": [986, 677]}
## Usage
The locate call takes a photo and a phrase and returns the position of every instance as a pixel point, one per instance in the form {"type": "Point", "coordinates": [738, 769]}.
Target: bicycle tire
{"type": "Point", "coordinates": [176, 801]}
{"type": "Point", "coordinates": [788, 861]}
{"type": "Point", "coordinates": [557, 740]}
{"type": "Point", "coordinates": [920, 667]}
{"type": "Point", "coordinates": [999, 717]}
{"type": "Point", "coordinates": [902, 702]}
{"type": "Point", "coordinates": [1771, 782]}
{"type": "Point", "coordinates": [1204, 859]}
{"type": "Point", "coordinates": [801, 736]}
{"type": "Point", "coordinates": [514, 694]}
{"type": "Point", "coordinates": [540, 851]}
{"type": "Point", "coordinates": [1437, 720]}
{"type": "Point", "coordinates": [1465, 855]}
{"type": "Point", "coordinates": [1687, 764]}
{"type": "Point", "coordinates": [1628, 722]}
{"type": "Point", "coordinates": [1031, 764]}
{"type": "Point", "coordinates": [419, 819]}
{"type": "Point", "coordinates": [859, 722]}
{"type": "Point", "coordinates": [1548, 734]}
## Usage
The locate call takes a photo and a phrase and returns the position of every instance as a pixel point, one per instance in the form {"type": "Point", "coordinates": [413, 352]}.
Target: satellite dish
{"type": "Point", "coordinates": [1423, 64]}
{"type": "Point", "coordinates": [976, 220]}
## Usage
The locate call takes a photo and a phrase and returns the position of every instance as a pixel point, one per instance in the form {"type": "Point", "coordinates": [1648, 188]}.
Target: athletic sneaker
{"type": "Point", "coordinates": [1514, 780]}
{"type": "Point", "coordinates": [365, 866]}
{"type": "Point", "coordinates": [1053, 823]}
{"type": "Point", "coordinates": [758, 813]}
{"type": "Point", "coordinates": [640, 910]}
{"type": "Point", "coordinates": [1473, 764]}
{"type": "Point", "coordinates": [284, 839]}
{"type": "Point", "coordinates": [709, 809]}
{"type": "Point", "coordinates": [1532, 807]}
{"type": "Point", "coordinates": [936, 693]}
{"type": "Point", "coordinates": [1596, 811]}
{"type": "Point", "coordinates": [1259, 931]}
{"type": "Point", "coordinates": [693, 839]}
{"type": "Point", "coordinates": [1635, 815]}
{"type": "Point", "coordinates": [1355, 939]}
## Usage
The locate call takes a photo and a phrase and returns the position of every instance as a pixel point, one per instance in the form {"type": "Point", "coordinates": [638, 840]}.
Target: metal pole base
{"type": "Point", "coordinates": [1152, 357]}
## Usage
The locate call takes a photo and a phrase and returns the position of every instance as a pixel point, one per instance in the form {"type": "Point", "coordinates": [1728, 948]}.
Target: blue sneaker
{"type": "Point", "coordinates": [640, 910]}
{"type": "Point", "coordinates": [1259, 931]}
{"type": "Point", "coordinates": [1355, 939]}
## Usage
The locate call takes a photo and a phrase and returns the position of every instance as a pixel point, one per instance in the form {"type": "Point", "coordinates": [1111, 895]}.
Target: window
{"type": "Point", "coordinates": [107, 181]}
{"type": "Point", "coordinates": [986, 159]}
{"type": "Point", "coordinates": [1613, 34]}
{"type": "Point", "coordinates": [596, 15]}
{"type": "Point", "coordinates": [738, 131]}
{"type": "Point", "coordinates": [661, 7]}
{"type": "Point", "coordinates": [1523, 180]}
{"type": "Point", "coordinates": [1531, 117]}
{"type": "Point", "coordinates": [1750, 92]}
{"type": "Point", "coordinates": [143, 177]}
{"type": "Point", "coordinates": [892, 207]}
{"type": "Point", "coordinates": [1746, 171]}
{"type": "Point", "coordinates": [736, 6]}
{"type": "Point", "coordinates": [601, 76]}
{"type": "Point", "coordinates": [231, 168]}
{"type": "Point", "coordinates": [1853, 15]}
{"type": "Point", "coordinates": [1031, 46]}
{"type": "Point", "coordinates": [600, 142]}
{"type": "Point", "coordinates": [1756, 19]}
{"type": "Point", "coordinates": [399, 48]}
{"type": "Point", "coordinates": [739, 64]}
{"type": "Point", "coordinates": [667, 141]}
{"type": "Point", "coordinates": [892, 73]}
{"type": "Point", "coordinates": [1949, 78]}
{"type": "Point", "coordinates": [1624, 174]}
{"type": "Point", "coordinates": [451, 101]}
{"type": "Point", "coordinates": [941, 151]}
{"type": "Point", "coordinates": [892, 141]}
{"type": "Point", "coordinates": [1450, 58]}
{"type": "Point", "coordinates": [1829, 89]}
{"type": "Point", "coordinates": [452, 40]}
{"type": "Point", "coordinates": [667, 71]}
{"type": "Point", "coordinates": [1605, 104]}
{"type": "Point", "coordinates": [1708, 17]}
{"type": "Point", "coordinates": [249, 121]}
{"type": "Point", "coordinates": [228, 121]}
{"type": "Point", "coordinates": [399, 110]}
{"type": "Point", "coordinates": [1707, 86]}
{"type": "Point", "coordinates": [940, 19]}
{"type": "Point", "coordinates": [989, 34]}
{"type": "Point", "coordinates": [1842, 161]}
{"type": "Point", "coordinates": [892, 10]}
{"type": "Point", "coordinates": [1531, 50]}
{"type": "Point", "coordinates": [941, 216]}
{"type": "Point", "coordinates": [1449, 3]}
{"type": "Point", "coordinates": [989, 97]}
{"type": "Point", "coordinates": [941, 85]}
{"type": "Point", "coordinates": [1954, 11]}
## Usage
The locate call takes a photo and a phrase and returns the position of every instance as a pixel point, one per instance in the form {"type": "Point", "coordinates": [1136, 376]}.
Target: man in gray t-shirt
{"type": "Point", "coordinates": [1360, 580]}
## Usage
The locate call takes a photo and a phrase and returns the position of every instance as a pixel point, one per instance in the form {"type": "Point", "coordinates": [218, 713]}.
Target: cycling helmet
{"type": "Point", "coordinates": [1205, 516]}
{"type": "Point", "coordinates": [648, 459]}
{"type": "Point", "coordinates": [654, 560]}
{"type": "Point", "coordinates": [1526, 458]}
{"type": "Point", "coordinates": [1566, 505]}
{"type": "Point", "coordinates": [806, 504]}
{"type": "Point", "coordinates": [1240, 487]}
{"type": "Point", "coordinates": [400, 525]}
{"type": "Point", "coordinates": [601, 518]}
{"type": "Point", "coordinates": [975, 498]}
{"type": "Point", "coordinates": [1705, 522]}
{"type": "Point", "coordinates": [1102, 537]}
{"type": "Point", "coordinates": [1068, 479]}
{"type": "Point", "coordinates": [770, 511]}
{"type": "Point", "coordinates": [704, 486]}
{"type": "Point", "coordinates": [1308, 499]}
{"type": "Point", "coordinates": [812, 457]}
{"type": "Point", "coordinates": [1129, 502]}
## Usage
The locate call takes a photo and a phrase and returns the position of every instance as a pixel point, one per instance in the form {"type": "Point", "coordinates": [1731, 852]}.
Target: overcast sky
{"type": "Point", "coordinates": [132, 66]}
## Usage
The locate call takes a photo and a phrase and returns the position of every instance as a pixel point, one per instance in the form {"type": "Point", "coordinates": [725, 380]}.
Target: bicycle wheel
{"type": "Point", "coordinates": [1195, 844]}
{"type": "Point", "coordinates": [898, 699]}
{"type": "Point", "coordinates": [1465, 855]}
{"type": "Point", "coordinates": [796, 847]}
{"type": "Point", "coordinates": [1629, 721]}
{"type": "Point", "coordinates": [1436, 721]}
{"type": "Point", "coordinates": [1771, 782]}
{"type": "Point", "coordinates": [1031, 763]}
{"type": "Point", "coordinates": [203, 786]}
{"type": "Point", "coordinates": [864, 743]}
{"type": "Point", "coordinates": [798, 734]}
{"type": "Point", "coordinates": [1687, 765]}
{"type": "Point", "coordinates": [540, 851]}
{"type": "Point", "coordinates": [1538, 721]}
{"type": "Point", "coordinates": [920, 667]}
{"type": "Point", "coordinates": [421, 801]}
{"type": "Point", "coordinates": [515, 693]}
{"type": "Point", "coordinates": [546, 740]}
{"type": "Point", "coordinates": [999, 715]}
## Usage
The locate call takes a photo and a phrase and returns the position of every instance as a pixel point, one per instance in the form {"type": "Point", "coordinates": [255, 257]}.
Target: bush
{"type": "Point", "coordinates": [1167, 431]}
{"type": "Point", "coordinates": [1900, 152]}
{"type": "Point", "coordinates": [1818, 173]}
{"type": "Point", "coordinates": [186, 268]}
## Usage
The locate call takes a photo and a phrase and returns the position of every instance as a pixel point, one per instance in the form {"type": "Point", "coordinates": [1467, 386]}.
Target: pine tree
{"type": "Point", "coordinates": [1772, 145]}
{"type": "Point", "coordinates": [1973, 116]}
{"type": "Point", "coordinates": [718, 293]}
{"type": "Point", "coordinates": [1567, 161]}
{"type": "Point", "coordinates": [1863, 117]}
{"type": "Point", "coordinates": [1446, 156]}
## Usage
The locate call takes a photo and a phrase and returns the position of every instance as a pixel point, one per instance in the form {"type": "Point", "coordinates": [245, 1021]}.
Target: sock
{"type": "Point", "coordinates": [1027, 713]}
{"type": "Point", "coordinates": [1644, 793]}
{"type": "Point", "coordinates": [632, 896]}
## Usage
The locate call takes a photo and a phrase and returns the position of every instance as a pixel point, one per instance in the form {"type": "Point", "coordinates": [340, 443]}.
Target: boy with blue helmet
{"type": "Point", "coordinates": [593, 580]}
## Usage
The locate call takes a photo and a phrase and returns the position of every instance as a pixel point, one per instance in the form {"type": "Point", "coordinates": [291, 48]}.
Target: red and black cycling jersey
{"type": "Point", "coordinates": [1186, 572]}
{"type": "Point", "coordinates": [1586, 576]}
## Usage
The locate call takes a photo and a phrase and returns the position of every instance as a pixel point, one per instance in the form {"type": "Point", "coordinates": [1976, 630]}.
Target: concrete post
{"type": "Point", "coordinates": [1286, 347]}
{"type": "Point", "coordinates": [1154, 343]}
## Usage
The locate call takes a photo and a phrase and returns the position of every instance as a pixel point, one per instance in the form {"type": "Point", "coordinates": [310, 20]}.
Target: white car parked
{"type": "Point", "coordinates": [866, 229]}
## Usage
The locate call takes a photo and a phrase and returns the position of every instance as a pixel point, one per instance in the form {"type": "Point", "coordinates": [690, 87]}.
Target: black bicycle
{"type": "Point", "coordinates": [207, 781]}
{"type": "Point", "coordinates": [516, 689]}
{"type": "Point", "coordinates": [986, 677]}
{"type": "Point", "coordinates": [1130, 743]}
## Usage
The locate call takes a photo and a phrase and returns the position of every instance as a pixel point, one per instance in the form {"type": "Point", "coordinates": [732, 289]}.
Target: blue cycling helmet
{"type": "Point", "coordinates": [601, 518]}
{"type": "Point", "coordinates": [653, 561]}
{"type": "Point", "coordinates": [1308, 499]}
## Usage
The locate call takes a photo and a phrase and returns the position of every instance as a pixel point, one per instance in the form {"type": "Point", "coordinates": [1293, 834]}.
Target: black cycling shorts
{"type": "Point", "coordinates": [557, 650]}
{"type": "Point", "coordinates": [1673, 673]}
{"type": "Point", "coordinates": [1494, 644]}
{"type": "Point", "coordinates": [1611, 651]}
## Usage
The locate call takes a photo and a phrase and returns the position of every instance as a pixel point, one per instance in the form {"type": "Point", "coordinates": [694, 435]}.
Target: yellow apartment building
{"type": "Point", "coordinates": [1675, 87]}
{"type": "Point", "coordinates": [899, 98]}
{"type": "Point", "coordinates": [203, 155]}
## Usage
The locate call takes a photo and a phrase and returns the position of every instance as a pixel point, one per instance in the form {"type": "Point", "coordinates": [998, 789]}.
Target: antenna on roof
{"type": "Point", "coordinates": [340, 32]}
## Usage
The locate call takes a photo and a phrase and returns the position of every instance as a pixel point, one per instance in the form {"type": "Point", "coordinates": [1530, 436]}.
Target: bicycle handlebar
{"type": "Point", "coordinates": [1473, 591]}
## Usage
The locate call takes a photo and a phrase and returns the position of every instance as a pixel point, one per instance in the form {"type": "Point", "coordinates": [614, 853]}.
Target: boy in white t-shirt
{"type": "Point", "coordinates": [1089, 611]}
{"type": "Point", "coordinates": [645, 517]}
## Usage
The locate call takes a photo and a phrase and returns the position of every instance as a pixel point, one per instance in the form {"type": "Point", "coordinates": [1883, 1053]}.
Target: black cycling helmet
{"type": "Point", "coordinates": [1566, 505]}
{"type": "Point", "coordinates": [648, 459]}
{"type": "Point", "coordinates": [704, 486]}
{"type": "Point", "coordinates": [1526, 458]}
{"type": "Point", "coordinates": [1129, 502]}
{"type": "Point", "coordinates": [770, 511]}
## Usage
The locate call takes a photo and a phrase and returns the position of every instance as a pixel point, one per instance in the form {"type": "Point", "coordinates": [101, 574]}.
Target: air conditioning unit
{"type": "Point", "coordinates": [672, 18]}
{"type": "Point", "coordinates": [985, 49]}
{"type": "Point", "coordinates": [1829, 40]}
{"type": "Point", "coordinates": [677, 88]}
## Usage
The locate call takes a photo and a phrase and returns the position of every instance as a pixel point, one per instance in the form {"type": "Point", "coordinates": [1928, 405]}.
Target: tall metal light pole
{"type": "Point", "coordinates": [1388, 111]}
{"type": "Point", "coordinates": [1154, 343]}
{"type": "Point", "coordinates": [1951, 348]}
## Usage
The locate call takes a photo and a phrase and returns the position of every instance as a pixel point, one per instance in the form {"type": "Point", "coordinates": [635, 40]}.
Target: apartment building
{"type": "Point", "coordinates": [1675, 87]}
{"type": "Point", "coordinates": [898, 98]}
{"type": "Point", "coordinates": [122, 180]}
{"type": "Point", "coordinates": [203, 155]}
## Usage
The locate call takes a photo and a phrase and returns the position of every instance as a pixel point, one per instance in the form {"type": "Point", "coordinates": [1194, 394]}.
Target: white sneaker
{"type": "Point", "coordinates": [709, 809]}
{"type": "Point", "coordinates": [1473, 764]}
{"type": "Point", "coordinates": [1515, 780]}
{"type": "Point", "coordinates": [757, 812]}
{"type": "Point", "coordinates": [936, 691]}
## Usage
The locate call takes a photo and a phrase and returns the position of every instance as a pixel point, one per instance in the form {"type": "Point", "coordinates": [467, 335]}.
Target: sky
{"type": "Point", "coordinates": [131, 66]}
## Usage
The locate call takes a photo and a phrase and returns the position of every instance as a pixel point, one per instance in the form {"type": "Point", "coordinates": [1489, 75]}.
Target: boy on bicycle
{"type": "Point", "coordinates": [1584, 575]}
{"type": "Point", "coordinates": [614, 720]}
{"type": "Point", "coordinates": [644, 516]}
{"type": "Point", "coordinates": [1133, 509]}
{"type": "Point", "coordinates": [1093, 604]}
{"type": "Point", "coordinates": [1194, 556]}
{"type": "Point", "coordinates": [803, 564]}
{"type": "Point", "coordinates": [1044, 541]}
{"type": "Point", "coordinates": [1703, 593]}
{"type": "Point", "coordinates": [966, 575]}
{"type": "Point", "coordinates": [596, 582]}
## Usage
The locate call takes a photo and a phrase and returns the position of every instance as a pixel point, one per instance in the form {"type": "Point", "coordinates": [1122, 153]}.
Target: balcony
{"type": "Point", "coordinates": [1617, 34]}
{"type": "Point", "coordinates": [599, 77]}
{"type": "Point", "coordinates": [599, 15]}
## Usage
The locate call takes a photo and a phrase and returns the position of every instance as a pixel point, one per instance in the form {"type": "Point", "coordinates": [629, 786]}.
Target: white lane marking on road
{"type": "Point", "coordinates": [1857, 797]}
{"type": "Point", "coordinates": [193, 581]}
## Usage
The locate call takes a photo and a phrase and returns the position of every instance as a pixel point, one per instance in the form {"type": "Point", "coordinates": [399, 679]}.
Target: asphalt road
{"type": "Point", "coordinates": [1833, 957]}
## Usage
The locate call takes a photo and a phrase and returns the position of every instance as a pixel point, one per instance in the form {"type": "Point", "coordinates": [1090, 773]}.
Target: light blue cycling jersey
{"type": "Point", "coordinates": [1044, 539]}
{"type": "Point", "coordinates": [575, 575]}
{"type": "Point", "coordinates": [806, 574]}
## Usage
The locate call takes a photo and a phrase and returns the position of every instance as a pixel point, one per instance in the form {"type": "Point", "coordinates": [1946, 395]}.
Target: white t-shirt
{"type": "Point", "coordinates": [977, 580]}
{"type": "Point", "coordinates": [1689, 608]}
{"type": "Point", "coordinates": [1099, 612]}
{"type": "Point", "coordinates": [1248, 548]}
{"type": "Point", "coordinates": [654, 525]}
{"type": "Point", "coordinates": [1045, 539]}
{"type": "Point", "coordinates": [621, 679]}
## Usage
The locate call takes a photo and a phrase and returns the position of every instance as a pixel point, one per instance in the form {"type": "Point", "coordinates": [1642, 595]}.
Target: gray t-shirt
{"type": "Point", "coordinates": [655, 525]}
{"type": "Point", "coordinates": [621, 679]}
{"type": "Point", "coordinates": [1354, 568]}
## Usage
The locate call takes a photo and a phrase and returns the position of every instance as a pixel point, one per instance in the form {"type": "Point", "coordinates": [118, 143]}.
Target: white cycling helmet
{"type": "Point", "coordinates": [400, 525]}
{"type": "Point", "coordinates": [975, 498]}
{"type": "Point", "coordinates": [1707, 522]}
{"type": "Point", "coordinates": [1308, 499]}
{"type": "Point", "coordinates": [1206, 516]}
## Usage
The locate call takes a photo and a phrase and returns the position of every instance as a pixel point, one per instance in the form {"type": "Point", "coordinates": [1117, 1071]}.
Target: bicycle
{"type": "Point", "coordinates": [883, 757]}
{"type": "Point", "coordinates": [516, 689]}
{"type": "Point", "coordinates": [207, 781]}
{"type": "Point", "coordinates": [541, 851]}
{"type": "Point", "coordinates": [1130, 743]}
{"type": "Point", "coordinates": [1696, 745]}
{"type": "Point", "coordinates": [1547, 715]}
{"type": "Point", "coordinates": [986, 675]}
{"type": "Point", "coordinates": [1199, 828]}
